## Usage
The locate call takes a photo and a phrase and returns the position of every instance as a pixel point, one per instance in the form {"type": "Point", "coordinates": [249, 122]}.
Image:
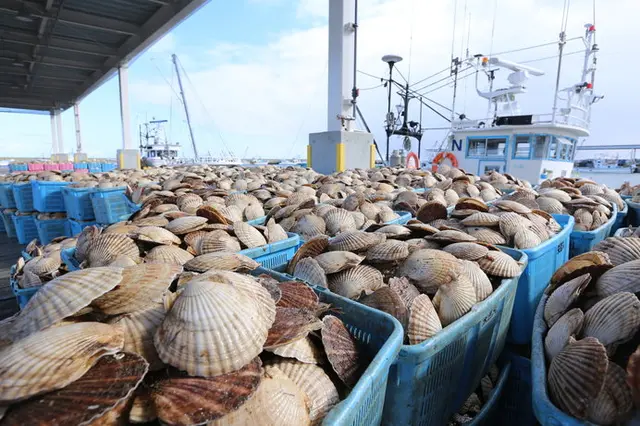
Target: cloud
{"type": "Point", "coordinates": [270, 96]}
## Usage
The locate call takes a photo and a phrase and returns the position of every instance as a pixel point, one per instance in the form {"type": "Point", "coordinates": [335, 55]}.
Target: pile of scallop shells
{"type": "Point", "coordinates": [47, 216]}
{"type": "Point", "coordinates": [401, 270]}
{"type": "Point", "coordinates": [503, 222]}
{"type": "Point", "coordinates": [593, 315]}
{"type": "Point", "coordinates": [590, 204]}
{"type": "Point", "coordinates": [630, 231]}
{"type": "Point", "coordinates": [111, 345]}
{"type": "Point", "coordinates": [633, 191]}
{"type": "Point", "coordinates": [43, 264]}
{"type": "Point", "coordinates": [477, 400]}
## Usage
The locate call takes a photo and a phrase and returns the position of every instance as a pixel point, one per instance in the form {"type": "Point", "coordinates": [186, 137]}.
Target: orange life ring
{"type": "Point", "coordinates": [416, 161]}
{"type": "Point", "coordinates": [441, 156]}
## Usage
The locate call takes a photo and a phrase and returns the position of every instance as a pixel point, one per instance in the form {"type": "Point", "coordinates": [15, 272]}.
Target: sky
{"type": "Point", "coordinates": [256, 73]}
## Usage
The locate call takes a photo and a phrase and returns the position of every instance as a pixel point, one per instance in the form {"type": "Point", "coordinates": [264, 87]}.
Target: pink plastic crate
{"type": "Point", "coordinates": [50, 166]}
{"type": "Point", "coordinates": [35, 167]}
{"type": "Point", "coordinates": [66, 166]}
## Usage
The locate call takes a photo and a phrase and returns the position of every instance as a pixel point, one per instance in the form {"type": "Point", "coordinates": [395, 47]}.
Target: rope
{"type": "Point", "coordinates": [431, 76]}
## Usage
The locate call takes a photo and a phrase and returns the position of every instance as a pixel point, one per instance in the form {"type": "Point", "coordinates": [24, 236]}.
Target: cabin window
{"type": "Point", "coordinates": [553, 149]}
{"type": "Point", "coordinates": [540, 145]}
{"type": "Point", "coordinates": [491, 147]}
{"type": "Point", "coordinates": [523, 147]}
{"type": "Point", "coordinates": [564, 149]}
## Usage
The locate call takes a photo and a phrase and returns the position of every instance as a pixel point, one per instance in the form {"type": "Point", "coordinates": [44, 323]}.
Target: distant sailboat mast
{"type": "Point", "coordinates": [174, 58]}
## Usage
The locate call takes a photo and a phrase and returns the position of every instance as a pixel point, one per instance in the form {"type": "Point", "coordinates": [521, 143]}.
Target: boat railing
{"type": "Point", "coordinates": [574, 117]}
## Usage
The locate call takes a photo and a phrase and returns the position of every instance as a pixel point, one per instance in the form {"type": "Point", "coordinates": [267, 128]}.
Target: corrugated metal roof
{"type": "Point", "coordinates": [54, 52]}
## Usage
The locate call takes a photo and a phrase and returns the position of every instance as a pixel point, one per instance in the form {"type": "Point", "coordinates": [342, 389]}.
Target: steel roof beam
{"type": "Point", "coordinates": [24, 72]}
{"type": "Point", "coordinates": [60, 43]}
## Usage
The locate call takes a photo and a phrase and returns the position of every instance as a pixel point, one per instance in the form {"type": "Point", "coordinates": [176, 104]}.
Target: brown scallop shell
{"type": "Point", "coordinates": [564, 297]}
{"type": "Point", "coordinates": [633, 375]}
{"type": "Point", "coordinates": [500, 264]}
{"type": "Point", "coordinates": [105, 248]}
{"type": "Point", "coordinates": [619, 249]}
{"type": "Point", "coordinates": [615, 400]}
{"type": "Point", "coordinates": [336, 261]}
{"type": "Point", "coordinates": [613, 320]}
{"type": "Point", "coordinates": [478, 278]}
{"type": "Point", "coordinates": [388, 251]}
{"type": "Point", "coordinates": [352, 282]}
{"type": "Point", "coordinates": [311, 248]}
{"type": "Point", "coordinates": [291, 324]}
{"type": "Point", "coordinates": [193, 238]}
{"type": "Point", "coordinates": [486, 235]}
{"type": "Point", "coordinates": [624, 277]}
{"type": "Point", "coordinates": [428, 269]}
{"type": "Point", "coordinates": [275, 232]}
{"type": "Point", "coordinates": [403, 287]}
{"type": "Point", "coordinates": [430, 211]}
{"type": "Point", "coordinates": [424, 322]}
{"type": "Point", "coordinates": [173, 255]}
{"type": "Point", "coordinates": [576, 376]}
{"type": "Point", "coordinates": [109, 383]}
{"type": "Point", "coordinates": [355, 241]}
{"type": "Point", "coordinates": [212, 214]}
{"type": "Point", "coordinates": [180, 399]}
{"type": "Point", "coordinates": [591, 262]}
{"type": "Point", "coordinates": [296, 294]}
{"type": "Point", "coordinates": [451, 236]}
{"type": "Point", "coordinates": [339, 220]}
{"type": "Point", "coordinates": [341, 349]}
{"type": "Point", "coordinates": [466, 250]}
{"type": "Point", "coordinates": [271, 285]}
{"type": "Point", "coordinates": [454, 299]}
{"type": "Point", "coordinates": [512, 206]}
{"type": "Point", "coordinates": [186, 224]}
{"type": "Point", "coordinates": [481, 219]}
{"type": "Point", "coordinates": [387, 300]}
{"type": "Point", "coordinates": [310, 271]}
{"type": "Point", "coordinates": [225, 261]}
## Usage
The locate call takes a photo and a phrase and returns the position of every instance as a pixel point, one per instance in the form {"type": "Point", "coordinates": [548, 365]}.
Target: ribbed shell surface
{"type": "Point", "coordinates": [212, 328]}
{"type": "Point", "coordinates": [157, 235]}
{"type": "Point", "coordinates": [184, 225]}
{"type": "Point", "coordinates": [526, 239]}
{"type": "Point", "coordinates": [63, 297]}
{"type": "Point", "coordinates": [499, 264]}
{"type": "Point", "coordinates": [576, 376]}
{"type": "Point", "coordinates": [355, 241]}
{"type": "Point", "coordinates": [309, 270]}
{"type": "Point", "coordinates": [248, 235]}
{"type": "Point", "coordinates": [615, 401]}
{"type": "Point", "coordinates": [173, 255]}
{"type": "Point", "coordinates": [106, 248]}
{"type": "Point", "coordinates": [275, 232]}
{"type": "Point", "coordinates": [309, 226]}
{"type": "Point", "coordinates": [454, 299]}
{"type": "Point", "coordinates": [336, 261]}
{"type": "Point", "coordinates": [388, 251]}
{"type": "Point", "coordinates": [615, 319]}
{"type": "Point", "coordinates": [218, 241]}
{"type": "Point", "coordinates": [303, 350]}
{"type": "Point", "coordinates": [53, 358]}
{"type": "Point", "coordinates": [568, 325]}
{"type": "Point", "coordinates": [486, 235]}
{"type": "Point", "coordinates": [466, 251]}
{"type": "Point", "coordinates": [339, 220]}
{"type": "Point", "coordinates": [139, 328]}
{"type": "Point", "coordinates": [620, 249]}
{"type": "Point", "coordinates": [341, 349]}
{"type": "Point", "coordinates": [478, 278]}
{"type": "Point", "coordinates": [624, 277]}
{"type": "Point", "coordinates": [424, 322]}
{"type": "Point", "coordinates": [429, 269]}
{"type": "Point", "coordinates": [220, 260]}
{"type": "Point", "coordinates": [564, 297]}
{"type": "Point", "coordinates": [352, 282]}
{"type": "Point", "coordinates": [481, 219]}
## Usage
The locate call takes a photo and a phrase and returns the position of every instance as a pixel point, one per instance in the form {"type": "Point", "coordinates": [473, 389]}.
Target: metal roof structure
{"type": "Point", "coordinates": [55, 52]}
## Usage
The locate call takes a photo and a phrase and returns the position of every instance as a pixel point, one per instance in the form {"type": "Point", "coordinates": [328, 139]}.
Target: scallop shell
{"type": "Point", "coordinates": [576, 376]}
{"type": "Point", "coordinates": [451, 236]}
{"type": "Point", "coordinates": [511, 223]}
{"type": "Point", "coordinates": [387, 300]}
{"type": "Point", "coordinates": [355, 241]}
{"type": "Point", "coordinates": [615, 401]}
{"type": "Point", "coordinates": [275, 232]}
{"type": "Point", "coordinates": [295, 294]}
{"type": "Point", "coordinates": [315, 383]}
{"type": "Point", "coordinates": [429, 269]}
{"type": "Point", "coordinates": [583, 220]}
{"type": "Point", "coordinates": [481, 219]}
{"type": "Point", "coordinates": [311, 248]}
{"type": "Point", "coordinates": [620, 250]}
{"type": "Point", "coordinates": [624, 277]}
{"type": "Point", "coordinates": [511, 206]}
{"type": "Point", "coordinates": [388, 251]}
{"type": "Point", "coordinates": [336, 261]}
{"type": "Point", "coordinates": [141, 286]}
{"type": "Point", "coordinates": [341, 349]}
{"type": "Point", "coordinates": [303, 350]}
{"type": "Point", "coordinates": [478, 278]}
{"type": "Point", "coordinates": [339, 220]}
{"type": "Point", "coordinates": [310, 271]}
{"type": "Point", "coordinates": [633, 375]}
{"type": "Point", "coordinates": [291, 324]}
{"type": "Point", "coordinates": [183, 400]}
{"type": "Point", "coordinates": [106, 248]}
{"type": "Point", "coordinates": [277, 402]}
{"type": "Point", "coordinates": [63, 297]}
{"type": "Point", "coordinates": [152, 221]}
{"type": "Point", "coordinates": [309, 226]}
{"type": "Point", "coordinates": [486, 235]}
{"type": "Point", "coordinates": [613, 320]}
{"type": "Point", "coordinates": [550, 205]}
{"type": "Point", "coordinates": [212, 214]}
{"type": "Point", "coordinates": [564, 297]}
{"type": "Point", "coordinates": [225, 261]}
{"type": "Point", "coordinates": [253, 211]}
{"type": "Point", "coordinates": [393, 231]}
{"type": "Point", "coordinates": [592, 262]}
{"type": "Point", "coordinates": [84, 241]}
{"type": "Point", "coordinates": [407, 291]}
{"type": "Point", "coordinates": [196, 338]}
{"type": "Point", "coordinates": [93, 397]}
{"type": "Point", "coordinates": [173, 255]}
{"type": "Point", "coordinates": [526, 239]}
{"type": "Point", "coordinates": [466, 251]}
{"type": "Point", "coordinates": [352, 282]}
{"type": "Point", "coordinates": [454, 299]}
{"type": "Point", "coordinates": [216, 241]}
{"type": "Point", "coordinates": [41, 266]}
{"type": "Point", "coordinates": [430, 211]}
{"type": "Point", "coordinates": [424, 322]}
{"type": "Point", "coordinates": [155, 234]}
{"type": "Point", "coordinates": [194, 238]}
{"type": "Point", "coordinates": [139, 328]}
{"type": "Point", "coordinates": [567, 326]}
{"type": "Point", "coordinates": [186, 224]}
{"type": "Point", "coordinates": [500, 264]}
{"type": "Point", "coordinates": [54, 358]}
{"type": "Point", "coordinates": [271, 285]}
{"type": "Point", "coordinates": [248, 235]}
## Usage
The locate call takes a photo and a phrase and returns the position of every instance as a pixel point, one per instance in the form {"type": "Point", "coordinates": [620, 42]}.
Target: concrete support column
{"type": "Point", "coordinates": [125, 116]}
{"type": "Point", "coordinates": [59, 131]}
{"type": "Point", "coordinates": [54, 133]}
{"type": "Point", "coordinates": [76, 114]}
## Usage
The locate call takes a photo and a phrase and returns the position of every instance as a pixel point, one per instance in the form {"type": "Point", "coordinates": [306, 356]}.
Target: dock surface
{"type": "Point", "coordinates": [10, 250]}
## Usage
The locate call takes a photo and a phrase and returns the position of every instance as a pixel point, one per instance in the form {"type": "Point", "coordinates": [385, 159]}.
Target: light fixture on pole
{"type": "Point", "coordinates": [391, 60]}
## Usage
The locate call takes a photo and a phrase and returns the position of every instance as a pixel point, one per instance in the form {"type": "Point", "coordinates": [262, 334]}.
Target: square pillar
{"type": "Point", "coordinates": [125, 115]}
{"type": "Point", "coordinates": [76, 115]}
{"type": "Point", "coordinates": [54, 134]}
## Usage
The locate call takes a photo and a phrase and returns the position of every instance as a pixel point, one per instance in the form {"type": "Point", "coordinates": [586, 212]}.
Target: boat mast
{"type": "Point", "coordinates": [174, 58]}
{"type": "Point", "coordinates": [561, 42]}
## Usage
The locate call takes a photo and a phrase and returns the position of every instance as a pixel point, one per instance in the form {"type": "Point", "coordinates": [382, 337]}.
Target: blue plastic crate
{"type": "Point", "coordinates": [107, 167]}
{"type": "Point", "coordinates": [77, 202]}
{"type": "Point", "coordinates": [544, 260]}
{"type": "Point", "coordinates": [111, 205]}
{"type": "Point", "coordinates": [6, 196]}
{"type": "Point", "coordinates": [420, 190]}
{"type": "Point", "coordinates": [9, 227]}
{"type": "Point", "coordinates": [584, 241]}
{"type": "Point", "coordinates": [259, 221]}
{"type": "Point", "coordinates": [380, 336]}
{"type": "Point", "coordinates": [490, 409]}
{"type": "Point", "coordinates": [621, 220]}
{"type": "Point", "coordinates": [76, 226]}
{"type": "Point", "coordinates": [514, 406]}
{"type": "Point", "coordinates": [94, 167]}
{"type": "Point", "coordinates": [2, 228]}
{"type": "Point", "coordinates": [25, 228]}
{"type": "Point", "coordinates": [68, 257]}
{"type": "Point", "coordinates": [634, 212]}
{"type": "Point", "coordinates": [403, 219]}
{"type": "Point", "coordinates": [274, 254]}
{"type": "Point", "coordinates": [52, 228]}
{"type": "Point", "coordinates": [23, 194]}
{"type": "Point", "coordinates": [23, 295]}
{"type": "Point", "coordinates": [47, 196]}
{"type": "Point", "coordinates": [545, 411]}
{"type": "Point", "coordinates": [18, 167]}
{"type": "Point", "coordinates": [80, 166]}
